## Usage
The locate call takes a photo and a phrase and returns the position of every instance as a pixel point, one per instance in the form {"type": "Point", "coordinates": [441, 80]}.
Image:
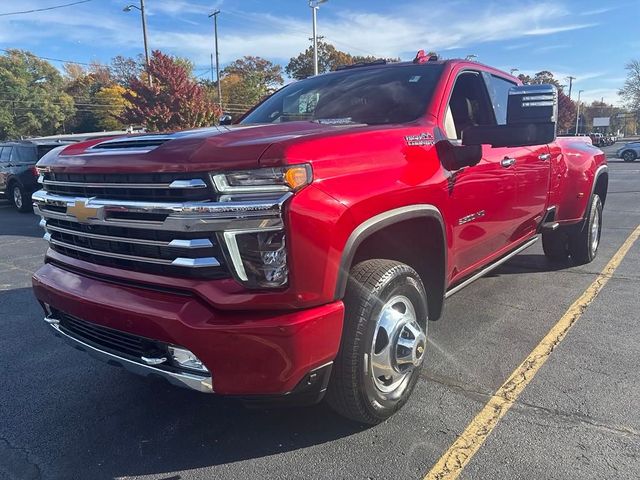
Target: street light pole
{"type": "Point", "coordinates": [578, 111]}
{"type": "Point", "coordinates": [144, 34]}
{"type": "Point", "coordinates": [571, 79]}
{"type": "Point", "coordinates": [315, 5]}
{"type": "Point", "coordinates": [215, 34]}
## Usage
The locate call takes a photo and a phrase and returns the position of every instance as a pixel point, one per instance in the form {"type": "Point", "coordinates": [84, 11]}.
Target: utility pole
{"type": "Point", "coordinates": [571, 79]}
{"type": "Point", "coordinates": [578, 111]}
{"type": "Point", "coordinates": [215, 32]}
{"type": "Point", "coordinates": [315, 5]}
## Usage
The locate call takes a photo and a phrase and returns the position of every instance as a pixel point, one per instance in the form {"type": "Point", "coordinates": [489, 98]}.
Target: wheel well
{"type": "Point", "coordinates": [602, 186]}
{"type": "Point", "coordinates": [417, 242]}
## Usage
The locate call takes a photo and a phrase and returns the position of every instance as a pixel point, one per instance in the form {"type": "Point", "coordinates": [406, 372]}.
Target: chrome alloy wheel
{"type": "Point", "coordinates": [595, 231]}
{"type": "Point", "coordinates": [17, 196]}
{"type": "Point", "coordinates": [398, 347]}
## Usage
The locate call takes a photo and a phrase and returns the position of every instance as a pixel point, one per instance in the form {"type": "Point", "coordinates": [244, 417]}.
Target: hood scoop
{"type": "Point", "coordinates": [139, 144]}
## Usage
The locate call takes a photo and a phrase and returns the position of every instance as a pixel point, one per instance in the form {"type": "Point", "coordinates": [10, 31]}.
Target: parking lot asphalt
{"type": "Point", "coordinates": [65, 416]}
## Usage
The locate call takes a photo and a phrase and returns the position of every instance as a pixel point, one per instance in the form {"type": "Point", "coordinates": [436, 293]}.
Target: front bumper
{"type": "Point", "coordinates": [247, 353]}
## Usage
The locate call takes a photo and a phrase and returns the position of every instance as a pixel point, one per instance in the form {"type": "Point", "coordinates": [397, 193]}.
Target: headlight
{"type": "Point", "coordinates": [259, 258]}
{"type": "Point", "coordinates": [276, 179]}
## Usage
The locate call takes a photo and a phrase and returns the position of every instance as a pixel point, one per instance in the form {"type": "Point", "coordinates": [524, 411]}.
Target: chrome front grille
{"type": "Point", "coordinates": [143, 187]}
{"type": "Point", "coordinates": [170, 253]}
{"type": "Point", "coordinates": [172, 238]}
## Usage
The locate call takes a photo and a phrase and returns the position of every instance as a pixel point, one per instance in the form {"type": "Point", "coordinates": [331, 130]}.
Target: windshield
{"type": "Point", "coordinates": [362, 95]}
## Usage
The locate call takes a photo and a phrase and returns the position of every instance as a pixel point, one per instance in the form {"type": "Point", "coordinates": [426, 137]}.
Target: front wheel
{"type": "Point", "coordinates": [584, 243]}
{"type": "Point", "coordinates": [629, 156]}
{"type": "Point", "coordinates": [383, 341]}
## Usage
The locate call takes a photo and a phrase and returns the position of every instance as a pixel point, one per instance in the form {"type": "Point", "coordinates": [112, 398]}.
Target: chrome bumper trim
{"type": "Point", "coordinates": [186, 380]}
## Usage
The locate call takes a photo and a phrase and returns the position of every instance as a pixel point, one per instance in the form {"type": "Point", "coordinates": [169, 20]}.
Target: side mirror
{"type": "Point", "coordinates": [532, 114]}
{"type": "Point", "coordinates": [225, 119]}
{"type": "Point", "coordinates": [454, 157]}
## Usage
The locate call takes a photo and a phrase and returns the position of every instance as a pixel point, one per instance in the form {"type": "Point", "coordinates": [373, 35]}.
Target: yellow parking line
{"type": "Point", "coordinates": [450, 465]}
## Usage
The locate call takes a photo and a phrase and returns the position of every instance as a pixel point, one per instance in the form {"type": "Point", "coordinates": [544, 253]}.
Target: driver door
{"type": "Point", "coordinates": [482, 197]}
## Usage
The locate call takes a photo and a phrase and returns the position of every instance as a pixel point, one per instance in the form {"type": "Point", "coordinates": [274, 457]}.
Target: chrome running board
{"type": "Point", "coordinates": [490, 267]}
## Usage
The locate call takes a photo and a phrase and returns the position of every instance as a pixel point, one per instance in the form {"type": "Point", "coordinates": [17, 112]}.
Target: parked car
{"type": "Point", "coordinates": [303, 250]}
{"type": "Point", "coordinates": [18, 176]}
{"type": "Point", "coordinates": [629, 152]}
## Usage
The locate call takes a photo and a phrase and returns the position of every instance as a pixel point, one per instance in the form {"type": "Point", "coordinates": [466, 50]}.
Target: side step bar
{"type": "Point", "coordinates": [490, 267]}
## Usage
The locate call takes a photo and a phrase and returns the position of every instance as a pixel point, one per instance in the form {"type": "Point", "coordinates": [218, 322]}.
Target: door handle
{"type": "Point", "coordinates": [544, 157]}
{"type": "Point", "coordinates": [507, 162]}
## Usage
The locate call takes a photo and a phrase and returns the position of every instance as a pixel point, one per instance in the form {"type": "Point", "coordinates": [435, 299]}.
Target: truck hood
{"type": "Point", "coordinates": [207, 149]}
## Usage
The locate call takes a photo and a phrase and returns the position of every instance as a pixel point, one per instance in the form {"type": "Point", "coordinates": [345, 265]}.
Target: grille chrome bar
{"type": "Point", "coordinates": [194, 243]}
{"type": "Point", "coordinates": [192, 183]}
{"type": "Point", "coordinates": [180, 217]}
{"type": "Point", "coordinates": [178, 262]}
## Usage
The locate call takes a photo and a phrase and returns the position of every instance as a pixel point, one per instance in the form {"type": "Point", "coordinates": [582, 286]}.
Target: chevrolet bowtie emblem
{"type": "Point", "coordinates": [82, 212]}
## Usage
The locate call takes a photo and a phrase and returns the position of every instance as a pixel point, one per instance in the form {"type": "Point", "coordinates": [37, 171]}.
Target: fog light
{"type": "Point", "coordinates": [185, 359]}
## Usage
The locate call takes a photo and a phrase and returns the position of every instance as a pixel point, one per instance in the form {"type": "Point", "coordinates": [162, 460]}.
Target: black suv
{"type": "Point", "coordinates": [18, 176]}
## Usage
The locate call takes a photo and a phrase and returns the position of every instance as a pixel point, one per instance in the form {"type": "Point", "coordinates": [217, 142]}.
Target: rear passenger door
{"type": "Point", "coordinates": [532, 167]}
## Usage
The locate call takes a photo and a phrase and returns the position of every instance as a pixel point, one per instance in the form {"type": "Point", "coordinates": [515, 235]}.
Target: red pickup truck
{"type": "Point", "coordinates": [303, 250]}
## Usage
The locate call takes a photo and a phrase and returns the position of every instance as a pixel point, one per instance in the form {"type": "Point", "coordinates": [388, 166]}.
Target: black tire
{"type": "Point", "coordinates": [555, 245]}
{"type": "Point", "coordinates": [584, 242]}
{"type": "Point", "coordinates": [629, 156]}
{"type": "Point", "coordinates": [354, 390]}
{"type": "Point", "coordinates": [19, 197]}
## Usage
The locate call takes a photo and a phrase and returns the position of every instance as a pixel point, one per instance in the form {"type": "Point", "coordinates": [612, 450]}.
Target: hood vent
{"type": "Point", "coordinates": [138, 144]}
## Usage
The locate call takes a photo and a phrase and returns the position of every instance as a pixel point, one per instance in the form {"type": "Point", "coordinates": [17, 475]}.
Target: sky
{"type": "Point", "coordinates": [591, 40]}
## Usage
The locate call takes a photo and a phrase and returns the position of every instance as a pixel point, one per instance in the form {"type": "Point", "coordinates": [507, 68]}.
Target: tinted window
{"type": "Point", "coordinates": [381, 95]}
{"type": "Point", "coordinates": [499, 93]}
{"type": "Point", "coordinates": [6, 154]}
{"type": "Point", "coordinates": [469, 105]}
{"type": "Point", "coordinates": [42, 149]}
{"type": "Point", "coordinates": [24, 154]}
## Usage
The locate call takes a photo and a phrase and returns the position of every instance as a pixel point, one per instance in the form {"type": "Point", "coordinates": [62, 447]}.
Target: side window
{"type": "Point", "coordinates": [469, 105]}
{"type": "Point", "coordinates": [2, 160]}
{"type": "Point", "coordinates": [499, 93]}
{"type": "Point", "coordinates": [5, 155]}
{"type": "Point", "coordinates": [24, 154]}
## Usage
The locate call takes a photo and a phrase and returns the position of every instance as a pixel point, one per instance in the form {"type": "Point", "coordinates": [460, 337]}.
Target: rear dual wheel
{"type": "Point", "coordinates": [581, 244]}
{"type": "Point", "coordinates": [383, 342]}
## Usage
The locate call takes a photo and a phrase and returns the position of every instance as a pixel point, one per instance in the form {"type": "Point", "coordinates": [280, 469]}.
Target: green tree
{"type": "Point", "coordinates": [630, 91]}
{"type": "Point", "coordinates": [174, 101]}
{"type": "Point", "coordinates": [33, 98]}
{"type": "Point", "coordinates": [249, 79]}
{"type": "Point", "coordinates": [329, 58]}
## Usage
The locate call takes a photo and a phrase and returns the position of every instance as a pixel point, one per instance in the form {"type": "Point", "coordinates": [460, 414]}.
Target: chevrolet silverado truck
{"type": "Point", "coordinates": [301, 252]}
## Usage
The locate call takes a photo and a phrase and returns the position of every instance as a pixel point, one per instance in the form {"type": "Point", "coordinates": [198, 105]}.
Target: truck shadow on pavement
{"type": "Point", "coordinates": [529, 263]}
{"type": "Point", "coordinates": [77, 416]}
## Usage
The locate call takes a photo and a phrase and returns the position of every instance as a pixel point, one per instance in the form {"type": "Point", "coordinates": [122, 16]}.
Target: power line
{"type": "Point", "coordinates": [44, 9]}
{"type": "Point", "coordinates": [48, 58]}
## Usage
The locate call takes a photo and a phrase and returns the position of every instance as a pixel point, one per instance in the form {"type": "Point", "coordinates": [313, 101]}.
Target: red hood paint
{"type": "Point", "coordinates": [215, 148]}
